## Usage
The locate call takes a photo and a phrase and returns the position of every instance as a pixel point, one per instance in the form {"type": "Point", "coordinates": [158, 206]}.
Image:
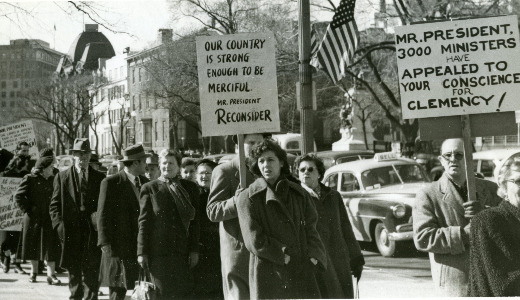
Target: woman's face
{"type": "Point", "coordinates": [47, 172]}
{"type": "Point", "coordinates": [513, 188]}
{"type": "Point", "coordinates": [204, 176]}
{"type": "Point", "coordinates": [169, 167]}
{"type": "Point", "coordinates": [308, 174]}
{"type": "Point", "coordinates": [270, 166]}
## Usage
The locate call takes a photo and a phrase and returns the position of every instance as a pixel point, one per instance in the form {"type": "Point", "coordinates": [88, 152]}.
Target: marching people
{"type": "Point", "coordinates": [73, 214]}
{"type": "Point", "coordinates": [344, 254]}
{"type": "Point", "coordinates": [10, 241]}
{"type": "Point", "coordinates": [167, 242]}
{"type": "Point", "coordinates": [494, 264]}
{"type": "Point", "coordinates": [33, 196]}
{"type": "Point", "coordinates": [442, 216]}
{"type": "Point", "coordinates": [188, 168]}
{"type": "Point", "coordinates": [278, 222]}
{"type": "Point", "coordinates": [208, 278]}
{"type": "Point", "coordinates": [221, 208]}
{"type": "Point", "coordinates": [152, 166]}
{"type": "Point", "coordinates": [118, 211]}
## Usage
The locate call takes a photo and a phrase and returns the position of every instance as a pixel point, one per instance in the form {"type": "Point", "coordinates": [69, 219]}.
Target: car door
{"type": "Point", "coordinates": [350, 190]}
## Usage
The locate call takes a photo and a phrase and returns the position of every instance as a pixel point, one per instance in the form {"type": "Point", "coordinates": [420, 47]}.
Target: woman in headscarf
{"type": "Point", "coordinates": [40, 241]}
{"type": "Point", "coordinates": [167, 242]}
{"type": "Point", "coordinates": [278, 222]}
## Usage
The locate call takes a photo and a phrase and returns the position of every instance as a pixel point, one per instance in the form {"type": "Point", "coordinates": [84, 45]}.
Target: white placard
{"type": "Point", "coordinates": [459, 67]}
{"type": "Point", "coordinates": [11, 216]}
{"type": "Point", "coordinates": [12, 134]}
{"type": "Point", "coordinates": [237, 84]}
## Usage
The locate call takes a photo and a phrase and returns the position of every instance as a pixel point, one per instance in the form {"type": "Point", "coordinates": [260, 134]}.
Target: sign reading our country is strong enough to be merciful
{"type": "Point", "coordinates": [237, 84]}
{"type": "Point", "coordinates": [459, 67]}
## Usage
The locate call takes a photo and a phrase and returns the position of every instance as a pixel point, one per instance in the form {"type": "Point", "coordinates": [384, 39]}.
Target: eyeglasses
{"type": "Point", "coordinates": [517, 182]}
{"type": "Point", "coordinates": [204, 173]}
{"type": "Point", "coordinates": [456, 155]}
{"type": "Point", "coordinates": [310, 169]}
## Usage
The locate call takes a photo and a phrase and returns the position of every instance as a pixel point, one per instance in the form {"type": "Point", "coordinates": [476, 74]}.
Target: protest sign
{"type": "Point", "coordinates": [12, 134]}
{"type": "Point", "coordinates": [458, 67]}
{"type": "Point", "coordinates": [237, 84]}
{"type": "Point", "coordinates": [10, 216]}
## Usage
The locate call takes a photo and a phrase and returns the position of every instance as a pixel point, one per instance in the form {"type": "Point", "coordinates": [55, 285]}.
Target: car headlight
{"type": "Point", "coordinates": [399, 211]}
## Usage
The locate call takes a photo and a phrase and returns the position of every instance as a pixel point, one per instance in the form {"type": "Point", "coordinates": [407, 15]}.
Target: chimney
{"type": "Point", "coordinates": [91, 27]}
{"type": "Point", "coordinates": [165, 36]}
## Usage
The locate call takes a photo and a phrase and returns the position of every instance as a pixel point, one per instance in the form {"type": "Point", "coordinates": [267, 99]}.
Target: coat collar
{"type": "Point", "coordinates": [282, 188]}
{"type": "Point", "coordinates": [235, 164]}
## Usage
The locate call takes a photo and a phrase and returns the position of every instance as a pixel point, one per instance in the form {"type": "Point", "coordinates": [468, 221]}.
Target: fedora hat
{"type": "Point", "coordinates": [81, 145]}
{"type": "Point", "coordinates": [266, 135]}
{"type": "Point", "coordinates": [134, 152]}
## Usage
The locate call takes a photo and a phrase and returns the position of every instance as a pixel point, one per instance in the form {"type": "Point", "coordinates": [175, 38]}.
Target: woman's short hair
{"type": "Point", "coordinates": [268, 145]}
{"type": "Point", "coordinates": [186, 161]}
{"type": "Point", "coordinates": [169, 152]}
{"type": "Point", "coordinates": [312, 157]}
{"type": "Point", "coordinates": [511, 165]}
{"type": "Point", "coordinates": [206, 162]}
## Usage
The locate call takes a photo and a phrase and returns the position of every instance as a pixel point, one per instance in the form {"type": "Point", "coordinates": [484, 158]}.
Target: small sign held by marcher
{"type": "Point", "coordinates": [12, 134]}
{"type": "Point", "coordinates": [237, 84]}
{"type": "Point", "coordinates": [11, 216]}
{"type": "Point", "coordinates": [458, 67]}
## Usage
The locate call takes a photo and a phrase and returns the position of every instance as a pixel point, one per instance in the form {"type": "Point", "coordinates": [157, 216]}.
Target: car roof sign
{"type": "Point", "coordinates": [385, 156]}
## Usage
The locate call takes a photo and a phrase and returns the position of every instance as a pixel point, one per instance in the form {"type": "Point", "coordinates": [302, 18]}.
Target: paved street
{"type": "Point", "coordinates": [401, 277]}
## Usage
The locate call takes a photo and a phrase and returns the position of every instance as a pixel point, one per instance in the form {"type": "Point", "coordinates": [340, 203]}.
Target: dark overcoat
{"type": "Point", "coordinates": [164, 238]}
{"type": "Point", "coordinates": [118, 211]}
{"type": "Point", "coordinates": [340, 243]}
{"type": "Point", "coordinates": [39, 240]}
{"type": "Point", "coordinates": [276, 221]}
{"type": "Point", "coordinates": [5, 158]}
{"type": "Point", "coordinates": [65, 214]}
{"type": "Point", "coordinates": [221, 208]}
{"type": "Point", "coordinates": [494, 266]}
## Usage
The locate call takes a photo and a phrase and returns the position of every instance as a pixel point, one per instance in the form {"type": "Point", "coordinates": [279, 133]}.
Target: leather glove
{"type": "Point", "coordinates": [357, 270]}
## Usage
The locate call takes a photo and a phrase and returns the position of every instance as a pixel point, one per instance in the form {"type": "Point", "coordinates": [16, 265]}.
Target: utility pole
{"type": "Point", "coordinates": [306, 112]}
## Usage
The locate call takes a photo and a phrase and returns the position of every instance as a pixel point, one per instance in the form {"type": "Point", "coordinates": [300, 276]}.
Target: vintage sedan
{"type": "Point", "coordinates": [378, 194]}
{"type": "Point", "coordinates": [331, 158]}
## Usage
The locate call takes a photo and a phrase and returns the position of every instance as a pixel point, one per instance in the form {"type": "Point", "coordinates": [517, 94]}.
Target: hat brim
{"type": "Point", "coordinates": [135, 158]}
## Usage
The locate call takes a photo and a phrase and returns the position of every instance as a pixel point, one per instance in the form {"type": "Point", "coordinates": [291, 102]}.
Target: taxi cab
{"type": "Point", "coordinates": [378, 195]}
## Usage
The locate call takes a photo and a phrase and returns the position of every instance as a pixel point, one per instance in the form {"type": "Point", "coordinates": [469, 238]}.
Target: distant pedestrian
{"type": "Point", "coordinates": [168, 238]}
{"type": "Point", "coordinates": [188, 169]}
{"type": "Point", "coordinates": [118, 211]}
{"type": "Point", "coordinates": [442, 216]}
{"type": "Point", "coordinates": [344, 254]}
{"type": "Point", "coordinates": [221, 208]}
{"type": "Point", "coordinates": [278, 222]}
{"type": "Point", "coordinates": [33, 196]}
{"type": "Point", "coordinates": [152, 167]}
{"type": "Point", "coordinates": [494, 265]}
{"type": "Point", "coordinates": [73, 214]}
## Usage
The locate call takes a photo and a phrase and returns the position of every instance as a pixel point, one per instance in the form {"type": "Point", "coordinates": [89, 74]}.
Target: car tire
{"type": "Point", "coordinates": [386, 247]}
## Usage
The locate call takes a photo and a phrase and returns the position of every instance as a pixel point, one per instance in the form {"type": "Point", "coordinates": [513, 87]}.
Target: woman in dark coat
{"type": "Point", "coordinates": [278, 222]}
{"type": "Point", "coordinates": [494, 269]}
{"type": "Point", "coordinates": [167, 242]}
{"type": "Point", "coordinates": [344, 254]}
{"type": "Point", "coordinates": [40, 241]}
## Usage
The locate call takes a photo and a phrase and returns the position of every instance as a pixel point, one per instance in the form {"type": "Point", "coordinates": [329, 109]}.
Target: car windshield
{"type": "Point", "coordinates": [394, 174]}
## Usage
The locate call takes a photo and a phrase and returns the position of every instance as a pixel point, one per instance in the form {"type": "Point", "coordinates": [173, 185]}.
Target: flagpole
{"type": "Point", "coordinates": [305, 75]}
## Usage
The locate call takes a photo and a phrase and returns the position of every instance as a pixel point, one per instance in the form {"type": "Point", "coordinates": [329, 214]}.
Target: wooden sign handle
{"type": "Point", "coordinates": [468, 157]}
{"type": "Point", "coordinates": [242, 159]}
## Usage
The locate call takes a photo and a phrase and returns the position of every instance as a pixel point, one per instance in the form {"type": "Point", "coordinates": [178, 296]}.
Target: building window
{"type": "Point", "coordinates": [181, 130]}
{"type": "Point", "coordinates": [4, 94]}
{"type": "Point", "coordinates": [3, 84]}
{"type": "Point", "coordinates": [3, 104]}
{"type": "Point", "coordinates": [11, 94]}
{"type": "Point", "coordinates": [147, 133]}
{"type": "Point", "coordinates": [147, 101]}
{"type": "Point", "coordinates": [164, 130]}
{"type": "Point", "coordinates": [15, 84]}
{"type": "Point", "coordinates": [133, 76]}
{"type": "Point", "coordinates": [155, 131]}
{"type": "Point", "coordinates": [140, 74]}
{"type": "Point", "coordinates": [140, 104]}
{"type": "Point", "coordinates": [11, 104]}
{"type": "Point", "coordinates": [133, 103]}
{"type": "Point", "coordinates": [18, 94]}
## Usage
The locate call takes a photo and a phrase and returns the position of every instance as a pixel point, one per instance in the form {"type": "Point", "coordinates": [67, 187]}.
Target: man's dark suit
{"type": "Point", "coordinates": [118, 211]}
{"type": "Point", "coordinates": [77, 230]}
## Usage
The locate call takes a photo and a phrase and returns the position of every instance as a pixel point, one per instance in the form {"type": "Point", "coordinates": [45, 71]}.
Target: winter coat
{"type": "Point", "coordinates": [276, 221]}
{"type": "Point", "coordinates": [33, 196]}
{"type": "Point", "coordinates": [438, 222]}
{"type": "Point", "coordinates": [65, 214]}
{"type": "Point", "coordinates": [221, 208]}
{"type": "Point", "coordinates": [494, 265]}
{"type": "Point", "coordinates": [5, 158]}
{"type": "Point", "coordinates": [340, 243]}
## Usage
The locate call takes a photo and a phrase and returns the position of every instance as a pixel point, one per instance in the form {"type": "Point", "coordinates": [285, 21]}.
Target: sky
{"type": "Point", "coordinates": [36, 20]}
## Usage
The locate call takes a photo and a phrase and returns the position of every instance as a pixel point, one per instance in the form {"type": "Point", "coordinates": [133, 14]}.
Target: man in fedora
{"type": "Point", "coordinates": [73, 214]}
{"type": "Point", "coordinates": [221, 208]}
{"type": "Point", "coordinates": [118, 211]}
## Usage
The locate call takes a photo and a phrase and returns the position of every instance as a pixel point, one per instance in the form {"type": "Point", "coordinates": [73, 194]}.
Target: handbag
{"type": "Point", "coordinates": [144, 289]}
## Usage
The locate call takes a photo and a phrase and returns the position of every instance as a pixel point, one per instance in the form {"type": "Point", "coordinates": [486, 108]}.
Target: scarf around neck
{"type": "Point", "coordinates": [181, 198]}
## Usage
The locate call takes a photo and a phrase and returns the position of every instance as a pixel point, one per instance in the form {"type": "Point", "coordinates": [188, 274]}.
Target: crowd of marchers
{"type": "Point", "coordinates": [196, 231]}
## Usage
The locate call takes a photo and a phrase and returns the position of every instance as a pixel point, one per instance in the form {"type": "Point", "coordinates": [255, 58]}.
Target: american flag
{"type": "Point", "coordinates": [339, 43]}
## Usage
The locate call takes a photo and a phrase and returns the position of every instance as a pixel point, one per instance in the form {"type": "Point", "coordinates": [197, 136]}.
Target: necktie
{"type": "Point", "coordinates": [83, 189]}
{"type": "Point", "coordinates": [138, 183]}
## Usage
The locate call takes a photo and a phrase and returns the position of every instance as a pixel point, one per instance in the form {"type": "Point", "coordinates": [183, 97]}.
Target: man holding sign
{"type": "Point", "coordinates": [442, 220]}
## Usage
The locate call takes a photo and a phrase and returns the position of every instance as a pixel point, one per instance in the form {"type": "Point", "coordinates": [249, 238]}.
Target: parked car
{"type": "Point", "coordinates": [378, 195]}
{"type": "Point", "coordinates": [64, 162]}
{"type": "Point", "coordinates": [331, 158]}
{"type": "Point", "coordinates": [290, 142]}
{"type": "Point", "coordinates": [489, 162]}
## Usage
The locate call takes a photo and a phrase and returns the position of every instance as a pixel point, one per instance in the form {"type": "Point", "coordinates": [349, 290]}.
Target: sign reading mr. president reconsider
{"type": "Point", "coordinates": [459, 67]}
{"type": "Point", "coordinates": [237, 84]}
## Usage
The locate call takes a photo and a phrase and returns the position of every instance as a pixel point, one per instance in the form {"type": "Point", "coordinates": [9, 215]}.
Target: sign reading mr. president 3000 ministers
{"type": "Point", "coordinates": [459, 67]}
{"type": "Point", "coordinates": [237, 84]}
